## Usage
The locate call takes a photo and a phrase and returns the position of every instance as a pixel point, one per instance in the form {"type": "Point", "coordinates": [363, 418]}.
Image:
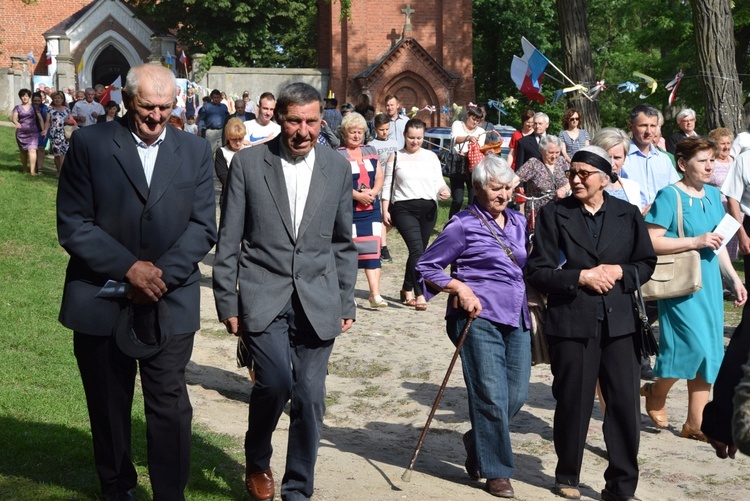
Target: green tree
{"type": "Point", "coordinates": [255, 33]}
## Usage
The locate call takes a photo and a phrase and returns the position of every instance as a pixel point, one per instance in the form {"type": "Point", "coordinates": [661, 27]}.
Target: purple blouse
{"type": "Point", "coordinates": [477, 260]}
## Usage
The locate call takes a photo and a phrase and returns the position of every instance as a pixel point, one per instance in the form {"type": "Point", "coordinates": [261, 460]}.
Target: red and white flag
{"type": "Point", "coordinates": [527, 71]}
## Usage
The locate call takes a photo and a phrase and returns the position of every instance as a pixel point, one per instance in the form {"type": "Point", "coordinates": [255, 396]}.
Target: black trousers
{"type": "Point", "coordinates": [414, 220]}
{"type": "Point", "coordinates": [457, 182]}
{"type": "Point", "coordinates": [108, 379]}
{"type": "Point", "coordinates": [290, 362]}
{"type": "Point", "coordinates": [576, 364]}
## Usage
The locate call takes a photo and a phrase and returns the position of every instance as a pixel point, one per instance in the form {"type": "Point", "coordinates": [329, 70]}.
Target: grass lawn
{"type": "Point", "coordinates": [46, 451]}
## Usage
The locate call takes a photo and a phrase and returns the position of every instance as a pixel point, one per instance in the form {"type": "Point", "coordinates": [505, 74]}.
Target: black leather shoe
{"type": "Point", "coordinates": [472, 468]}
{"type": "Point", "coordinates": [500, 487]}
{"type": "Point", "coordinates": [608, 495]}
{"type": "Point", "coordinates": [128, 495]}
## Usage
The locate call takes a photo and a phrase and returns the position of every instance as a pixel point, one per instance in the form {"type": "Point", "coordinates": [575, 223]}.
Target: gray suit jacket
{"type": "Point", "coordinates": [258, 254]}
{"type": "Point", "coordinates": [108, 218]}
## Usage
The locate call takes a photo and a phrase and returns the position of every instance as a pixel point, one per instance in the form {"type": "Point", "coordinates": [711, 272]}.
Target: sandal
{"type": "Point", "coordinates": [408, 301]}
{"type": "Point", "coordinates": [420, 306]}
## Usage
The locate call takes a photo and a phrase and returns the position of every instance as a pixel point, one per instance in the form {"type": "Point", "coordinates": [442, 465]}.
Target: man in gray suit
{"type": "Point", "coordinates": [135, 205]}
{"type": "Point", "coordinates": [285, 241]}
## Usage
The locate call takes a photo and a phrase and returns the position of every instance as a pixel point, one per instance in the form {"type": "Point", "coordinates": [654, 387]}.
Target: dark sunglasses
{"type": "Point", "coordinates": [583, 175]}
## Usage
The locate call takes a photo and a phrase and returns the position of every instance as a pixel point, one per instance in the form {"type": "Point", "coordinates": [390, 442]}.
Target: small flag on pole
{"type": "Point", "coordinates": [527, 71]}
{"type": "Point", "coordinates": [30, 56]}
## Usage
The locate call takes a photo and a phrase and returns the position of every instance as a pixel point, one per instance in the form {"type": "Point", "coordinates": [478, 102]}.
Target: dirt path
{"type": "Point", "coordinates": [384, 375]}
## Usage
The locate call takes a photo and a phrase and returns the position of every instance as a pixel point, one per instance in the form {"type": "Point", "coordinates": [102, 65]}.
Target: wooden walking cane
{"type": "Point", "coordinates": [406, 477]}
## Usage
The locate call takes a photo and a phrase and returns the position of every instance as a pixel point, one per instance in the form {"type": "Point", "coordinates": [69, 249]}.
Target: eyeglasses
{"type": "Point", "coordinates": [583, 175]}
{"type": "Point", "coordinates": [574, 118]}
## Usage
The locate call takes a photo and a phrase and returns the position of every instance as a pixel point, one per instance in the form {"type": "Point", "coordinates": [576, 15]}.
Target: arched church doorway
{"type": "Point", "coordinates": [109, 65]}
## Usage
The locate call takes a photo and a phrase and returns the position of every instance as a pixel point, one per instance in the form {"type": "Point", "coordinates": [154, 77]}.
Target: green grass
{"type": "Point", "coordinates": [45, 443]}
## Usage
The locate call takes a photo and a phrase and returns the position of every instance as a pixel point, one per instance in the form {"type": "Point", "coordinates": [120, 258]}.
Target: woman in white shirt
{"type": "Point", "coordinates": [463, 134]}
{"type": "Point", "coordinates": [411, 191]}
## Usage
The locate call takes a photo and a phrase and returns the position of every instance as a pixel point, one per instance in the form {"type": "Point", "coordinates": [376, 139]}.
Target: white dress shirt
{"type": "Point", "coordinates": [297, 174]}
{"type": "Point", "coordinates": [148, 154]}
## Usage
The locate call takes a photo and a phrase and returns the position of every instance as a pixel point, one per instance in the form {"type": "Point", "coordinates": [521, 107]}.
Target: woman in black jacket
{"type": "Point", "coordinates": [588, 249]}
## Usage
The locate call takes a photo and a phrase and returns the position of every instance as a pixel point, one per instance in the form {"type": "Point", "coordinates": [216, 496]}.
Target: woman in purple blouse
{"type": "Point", "coordinates": [487, 284]}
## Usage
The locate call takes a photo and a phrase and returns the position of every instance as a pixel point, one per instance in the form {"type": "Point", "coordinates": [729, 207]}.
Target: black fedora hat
{"type": "Point", "coordinates": [142, 331]}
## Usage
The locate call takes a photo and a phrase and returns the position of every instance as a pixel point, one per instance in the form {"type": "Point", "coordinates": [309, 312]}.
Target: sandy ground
{"type": "Point", "coordinates": [384, 376]}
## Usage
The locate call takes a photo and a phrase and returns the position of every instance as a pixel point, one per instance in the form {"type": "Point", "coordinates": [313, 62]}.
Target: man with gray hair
{"type": "Point", "coordinates": [528, 146]}
{"type": "Point", "coordinates": [136, 214]}
{"type": "Point", "coordinates": [686, 122]}
{"type": "Point", "coordinates": [284, 278]}
{"type": "Point", "coordinates": [86, 111]}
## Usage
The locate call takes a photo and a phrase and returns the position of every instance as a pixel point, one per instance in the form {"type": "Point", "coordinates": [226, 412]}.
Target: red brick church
{"type": "Point", "coordinates": [420, 51]}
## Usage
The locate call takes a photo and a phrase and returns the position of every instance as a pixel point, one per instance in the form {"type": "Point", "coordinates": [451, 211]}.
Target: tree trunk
{"type": "Point", "coordinates": [714, 43]}
{"type": "Point", "coordinates": [577, 61]}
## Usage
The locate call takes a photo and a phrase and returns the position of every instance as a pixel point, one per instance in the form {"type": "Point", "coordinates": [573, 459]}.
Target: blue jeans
{"type": "Point", "coordinates": [496, 361]}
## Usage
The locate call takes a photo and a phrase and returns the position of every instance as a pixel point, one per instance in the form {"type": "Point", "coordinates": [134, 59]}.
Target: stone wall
{"type": "Point", "coordinates": [234, 81]}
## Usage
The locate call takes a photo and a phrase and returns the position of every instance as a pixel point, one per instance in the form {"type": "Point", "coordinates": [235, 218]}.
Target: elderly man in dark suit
{"type": "Point", "coordinates": [135, 209]}
{"type": "Point", "coordinates": [285, 241]}
{"type": "Point", "coordinates": [528, 146]}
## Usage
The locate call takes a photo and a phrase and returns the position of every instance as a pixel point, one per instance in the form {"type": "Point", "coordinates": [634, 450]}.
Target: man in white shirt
{"type": "Point", "coordinates": [736, 188]}
{"type": "Point", "coordinates": [398, 121]}
{"type": "Point", "coordinates": [740, 144]}
{"type": "Point", "coordinates": [287, 218]}
{"type": "Point", "coordinates": [262, 129]}
{"type": "Point", "coordinates": [87, 110]}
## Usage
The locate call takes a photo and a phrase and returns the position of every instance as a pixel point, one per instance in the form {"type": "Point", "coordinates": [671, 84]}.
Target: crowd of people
{"type": "Point", "coordinates": [309, 191]}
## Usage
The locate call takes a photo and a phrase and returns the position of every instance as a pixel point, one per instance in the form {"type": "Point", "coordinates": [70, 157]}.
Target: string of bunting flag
{"type": "Point", "coordinates": [528, 71]}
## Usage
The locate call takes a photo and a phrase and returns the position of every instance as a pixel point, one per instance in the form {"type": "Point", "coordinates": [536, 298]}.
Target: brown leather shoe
{"type": "Point", "coordinates": [567, 491]}
{"type": "Point", "coordinates": [658, 416]}
{"type": "Point", "coordinates": [688, 432]}
{"type": "Point", "coordinates": [500, 487]}
{"type": "Point", "coordinates": [259, 485]}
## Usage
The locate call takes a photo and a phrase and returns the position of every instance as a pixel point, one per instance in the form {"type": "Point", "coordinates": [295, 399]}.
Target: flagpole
{"type": "Point", "coordinates": [568, 79]}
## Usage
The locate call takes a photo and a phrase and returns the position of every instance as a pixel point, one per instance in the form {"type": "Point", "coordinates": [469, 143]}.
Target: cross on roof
{"type": "Point", "coordinates": [408, 11]}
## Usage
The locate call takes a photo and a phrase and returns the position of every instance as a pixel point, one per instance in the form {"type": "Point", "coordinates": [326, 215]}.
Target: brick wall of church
{"type": "Point", "coordinates": [22, 25]}
{"type": "Point", "coordinates": [347, 47]}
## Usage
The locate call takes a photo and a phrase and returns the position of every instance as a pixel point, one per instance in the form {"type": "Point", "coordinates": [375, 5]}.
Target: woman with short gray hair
{"type": "Point", "coordinates": [686, 122]}
{"type": "Point", "coordinates": [545, 175]}
{"type": "Point", "coordinates": [617, 144]}
{"type": "Point", "coordinates": [485, 248]}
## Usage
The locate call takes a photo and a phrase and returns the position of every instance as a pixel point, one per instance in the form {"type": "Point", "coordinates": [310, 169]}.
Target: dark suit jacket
{"type": "Point", "coordinates": [527, 148]}
{"type": "Point", "coordinates": [108, 218]}
{"type": "Point", "coordinates": [258, 251]}
{"type": "Point", "coordinates": [675, 138]}
{"type": "Point", "coordinates": [562, 234]}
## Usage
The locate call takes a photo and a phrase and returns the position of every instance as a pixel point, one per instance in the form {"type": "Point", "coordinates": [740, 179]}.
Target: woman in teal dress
{"type": "Point", "coordinates": [691, 343]}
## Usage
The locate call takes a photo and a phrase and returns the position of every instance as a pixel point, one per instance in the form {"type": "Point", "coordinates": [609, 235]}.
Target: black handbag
{"type": "Point", "coordinates": [455, 163]}
{"type": "Point", "coordinates": [644, 337]}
